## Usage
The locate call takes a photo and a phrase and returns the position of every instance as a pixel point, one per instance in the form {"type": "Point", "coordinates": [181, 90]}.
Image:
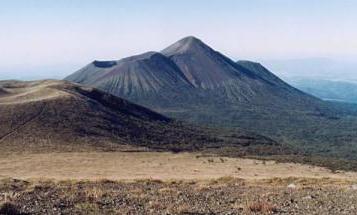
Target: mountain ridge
{"type": "Point", "coordinates": [59, 116]}
{"type": "Point", "coordinates": [178, 62]}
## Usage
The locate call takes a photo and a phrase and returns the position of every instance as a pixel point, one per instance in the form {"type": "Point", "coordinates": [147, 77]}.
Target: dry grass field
{"type": "Point", "coordinates": [168, 183]}
{"type": "Point", "coordinates": [151, 165]}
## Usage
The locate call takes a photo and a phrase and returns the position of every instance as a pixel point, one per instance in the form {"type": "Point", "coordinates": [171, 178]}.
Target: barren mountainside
{"type": "Point", "coordinates": [187, 73]}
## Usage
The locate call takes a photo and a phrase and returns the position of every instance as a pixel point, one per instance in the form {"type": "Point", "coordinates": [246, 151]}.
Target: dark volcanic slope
{"type": "Point", "coordinates": [60, 116]}
{"type": "Point", "coordinates": [186, 74]}
{"type": "Point", "coordinates": [216, 76]}
{"type": "Point", "coordinates": [203, 67]}
{"type": "Point", "coordinates": [211, 88]}
{"type": "Point", "coordinates": [143, 77]}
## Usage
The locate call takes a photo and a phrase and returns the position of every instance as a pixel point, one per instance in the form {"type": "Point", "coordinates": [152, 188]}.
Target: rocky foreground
{"type": "Point", "coordinates": [222, 196]}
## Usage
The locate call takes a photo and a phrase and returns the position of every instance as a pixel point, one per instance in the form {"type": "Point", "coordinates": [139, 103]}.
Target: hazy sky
{"type": "Point", "coordinates": [51, 38]}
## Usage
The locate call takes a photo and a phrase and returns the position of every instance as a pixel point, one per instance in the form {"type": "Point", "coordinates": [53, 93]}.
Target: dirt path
{"type": "Point", "coordinates": [143, 165]}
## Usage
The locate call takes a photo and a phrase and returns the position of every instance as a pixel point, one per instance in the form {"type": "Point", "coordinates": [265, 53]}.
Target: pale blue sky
{"type": "Point", "coordinates": [51, 38]}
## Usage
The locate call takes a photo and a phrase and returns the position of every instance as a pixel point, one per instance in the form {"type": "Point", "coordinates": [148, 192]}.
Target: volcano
{"type": "Point", "coordinates": [191, 81]}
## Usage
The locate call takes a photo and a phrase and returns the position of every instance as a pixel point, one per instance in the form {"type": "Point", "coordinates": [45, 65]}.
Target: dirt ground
{"type": "Point", "coordinates": [151, 165]}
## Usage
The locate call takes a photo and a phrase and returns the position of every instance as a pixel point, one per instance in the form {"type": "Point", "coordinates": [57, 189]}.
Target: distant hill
{"type": "Point", "coordinates": [314, 68]}
{"type": "Point", "coordinates": [60, 116]}
{"type": "Point", "coordinates": [330, 90]}
{"type": "Point", "coordinates": [191, 81]}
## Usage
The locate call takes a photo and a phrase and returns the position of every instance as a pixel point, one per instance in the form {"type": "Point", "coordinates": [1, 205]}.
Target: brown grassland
{"type": "Point", "coordinates": [169, 183]}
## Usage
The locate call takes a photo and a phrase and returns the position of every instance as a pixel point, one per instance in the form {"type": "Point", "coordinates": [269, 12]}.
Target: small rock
{"type": "Point", "coordinates": [354, 187]}
{"type": "Point", "coordinates": [291, 186]}
{"type": "Point", "coordinates": [307, 197]}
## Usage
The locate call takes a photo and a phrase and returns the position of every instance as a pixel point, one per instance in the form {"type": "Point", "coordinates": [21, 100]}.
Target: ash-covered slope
{"type": "Point", "coordinates": [149, 77]}
{"type": "Point", "coordinates": [61, 116]}
{"type": "Point", "coordinates": [208, 69]}
{"type": "Point", "coordinates": [202, 66]}
{"type": "Point", "coordinates": [216, 76]}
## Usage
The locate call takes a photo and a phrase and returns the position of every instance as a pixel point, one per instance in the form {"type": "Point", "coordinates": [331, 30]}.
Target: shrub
{"type": "Point", "coordinates": [262, 207]}
{"type": "Point", "coordinates": [9, 209]}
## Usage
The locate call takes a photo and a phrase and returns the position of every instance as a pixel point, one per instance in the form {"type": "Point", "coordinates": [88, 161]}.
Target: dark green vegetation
{"type": "Point", "coordinates": [46, 116]}
{"type": "Point", "coordinates": [191, 81]}
{"type": "Point", "coordinates": [222, 196]}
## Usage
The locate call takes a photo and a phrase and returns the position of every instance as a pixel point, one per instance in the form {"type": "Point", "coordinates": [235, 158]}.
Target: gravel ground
{"type": "Point", "coordinates": [222, 196]}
